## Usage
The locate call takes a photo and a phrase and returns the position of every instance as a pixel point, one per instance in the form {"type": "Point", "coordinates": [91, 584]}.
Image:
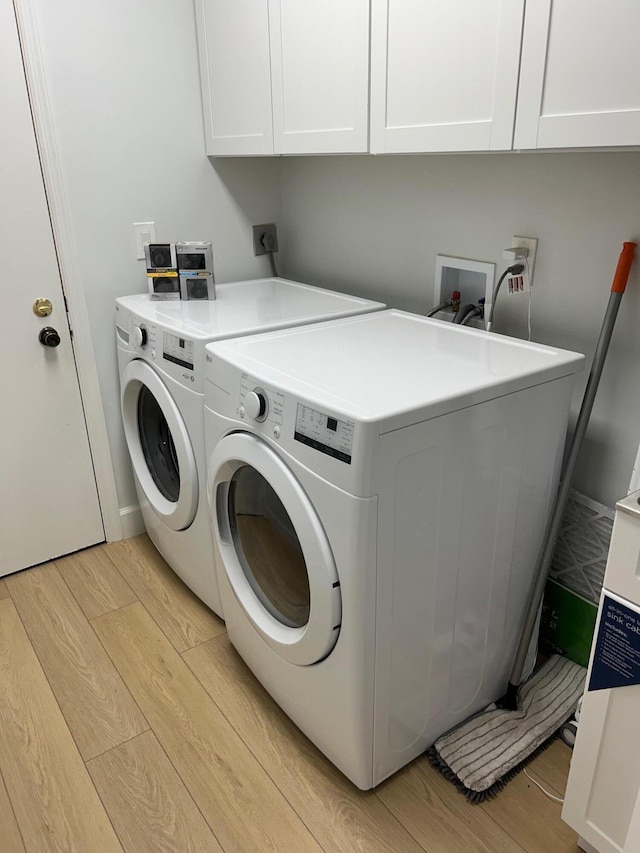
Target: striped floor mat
{"type": "Point", "coordinates": [481, 755]}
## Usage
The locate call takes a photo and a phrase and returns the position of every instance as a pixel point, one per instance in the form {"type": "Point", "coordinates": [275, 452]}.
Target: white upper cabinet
{"type": "Point", "coordinates": [444, 75]}
{"type": "Point", "coordinates": [284, 76]}
{"type": "Point", "coordinates": [320, 75]}
{"type": "Point", "coordinates": [233, 45]}
{"type": "Point", "coordinates": [580, 74]}
{"type": "Point", "coordinates": [302, 77]}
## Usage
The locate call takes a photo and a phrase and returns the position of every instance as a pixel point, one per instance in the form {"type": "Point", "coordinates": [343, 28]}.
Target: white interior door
{"type": "Point", "coordinates": [48, 498]}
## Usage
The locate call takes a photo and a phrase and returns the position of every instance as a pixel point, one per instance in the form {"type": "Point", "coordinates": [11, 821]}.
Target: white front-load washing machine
{"type": "Point", "coordinates": [161, 365]}
{"type": "Point", "coordinates": [378, 489]}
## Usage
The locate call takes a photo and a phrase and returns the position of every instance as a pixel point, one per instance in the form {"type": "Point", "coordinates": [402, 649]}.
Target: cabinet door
{"type": "Point", "coordinates": [444, 74]}
{"type": "Point", "coordinates": [233, 44]}
{"type": "Point", "coordinates": [602, 800]}
{"type": "Point", "coordinates": [320, 75]}
{"type": "Point", "coordinates": [580, 74]}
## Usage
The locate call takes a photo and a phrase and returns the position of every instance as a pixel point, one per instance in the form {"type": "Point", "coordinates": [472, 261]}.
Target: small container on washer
{"type": "Point", "coordinates": [195, 266]}
{"type": "Point", "coordinates": [197, 285]}
{"type": "Point", "coordinates": [162, 270]}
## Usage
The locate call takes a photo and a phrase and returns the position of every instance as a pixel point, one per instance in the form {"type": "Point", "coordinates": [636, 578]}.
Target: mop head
{"type": "Point", "coordinates": [482, 754]}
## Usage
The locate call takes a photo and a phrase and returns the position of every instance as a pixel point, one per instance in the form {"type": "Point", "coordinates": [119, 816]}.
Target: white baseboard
{"type": "Point", "coordinates": [584, 845]}
{"type": "Point", "coordinates": [132, 522]}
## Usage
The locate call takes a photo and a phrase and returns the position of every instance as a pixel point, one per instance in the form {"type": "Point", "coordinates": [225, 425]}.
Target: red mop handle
{"type": "Point", "coordinates": [624, 265]}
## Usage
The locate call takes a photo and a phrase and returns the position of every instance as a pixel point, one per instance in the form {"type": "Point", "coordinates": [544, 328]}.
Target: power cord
{"type": "Point", "coordinates": [529, 307]}
{"type": "Point", "coordinates": [544, 791]}
{"type": "Point", "coordinates": [269, 244]}
{"type": "Point", "coordinates": [272, 261]}
{"type": "Point", "coordinates": [514, 269]}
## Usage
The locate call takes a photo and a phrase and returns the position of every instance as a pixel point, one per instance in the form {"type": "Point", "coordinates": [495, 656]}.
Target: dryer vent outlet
{"type": "Point", "coordinates": [265, 239]}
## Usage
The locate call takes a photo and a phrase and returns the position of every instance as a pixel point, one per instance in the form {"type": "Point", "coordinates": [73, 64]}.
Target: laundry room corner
{"type": "Point", "coordinates": [319, 520]}
{"type": "Point", "coordinates": [126, 125]}
{"type": "Point", "coordinates": [379, 224]}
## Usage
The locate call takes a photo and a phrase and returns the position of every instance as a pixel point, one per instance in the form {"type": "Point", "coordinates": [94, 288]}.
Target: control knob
{"type": "Point", "coordinates": [256, 404]}
{"type": "Point", "coordinates": [140, 336]}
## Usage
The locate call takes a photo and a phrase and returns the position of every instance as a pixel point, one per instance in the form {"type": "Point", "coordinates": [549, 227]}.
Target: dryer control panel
{"type": "Point", "coordinates": [261, 404]}
{"type": "Point", "coordinates": [330, 442]}
{"type": "Point", "coordinates": [325, 433]}
{"type": "Point", "coordinates": [321, 431]}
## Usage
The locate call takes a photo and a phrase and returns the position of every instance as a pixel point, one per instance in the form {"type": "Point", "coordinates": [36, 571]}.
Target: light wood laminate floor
{"type": "Point", "coordinates": [129, 723]}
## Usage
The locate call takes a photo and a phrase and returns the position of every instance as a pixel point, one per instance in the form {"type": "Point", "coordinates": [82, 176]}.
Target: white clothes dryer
{"type": "Point", "coordinates": [378, 489]}
{"type": "Point", "coordinates": [161, 365]}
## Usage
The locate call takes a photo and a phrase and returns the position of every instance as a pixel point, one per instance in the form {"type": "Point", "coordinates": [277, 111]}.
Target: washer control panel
{"type": "Point", "coordinates": [175, 355]}
{"type": "Point", "coordinates": [177, 350]}
{"type": "Point", "coordinates": [324, 433]}
{"type": "Point", "coordinates": [256, 404]}
{"type": "Point", "coordinates": [143, 335]}
{"type": "Point", "coordinates": [260, 404]}
{"type": "Point", "coordinates": [140, 336]}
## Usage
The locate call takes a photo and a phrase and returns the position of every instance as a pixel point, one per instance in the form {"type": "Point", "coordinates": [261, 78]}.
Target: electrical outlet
{"type": "Point", "coordinates": [519, 283]}
{"type": "Point", "coordinates": [265, 239]}
{"type": "Point", "coordinates": [531, 243]}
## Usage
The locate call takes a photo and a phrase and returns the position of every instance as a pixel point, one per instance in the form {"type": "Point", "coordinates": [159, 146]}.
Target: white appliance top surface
{"type": "Point", "coordinates": [377, 366]}
{"type": "Point", "coordinates": [630, 504]}
{"type": "Point", "coordinates": [247, 307]}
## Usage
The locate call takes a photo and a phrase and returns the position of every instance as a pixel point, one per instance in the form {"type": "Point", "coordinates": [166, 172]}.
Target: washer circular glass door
{"type": "Point", "coordinates": [274, 550]}
{"type": "Point", "coordinates": [159, 446]}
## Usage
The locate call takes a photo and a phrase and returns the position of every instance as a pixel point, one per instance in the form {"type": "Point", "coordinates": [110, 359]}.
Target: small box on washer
{"type": "Point", "coordinates": [194, 257]}
{"type": "Point", "coordinates": [195, 266]}
{"type": "Point", "coordinates": [160, 256]}
{"type": "Point", "coordinates": [162, 271]}
{"type": "Point", "coordinates": [163, 284]}
{"type": "Point", "coordinates": [197, 285]}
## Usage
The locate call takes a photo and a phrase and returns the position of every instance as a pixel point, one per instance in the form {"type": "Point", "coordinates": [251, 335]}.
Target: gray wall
{"type": "Point", "coordinates": [125, 95]}
{"type": "Point", "coordinates": [129, 133]}
{"type": "Point", "coordinates": [373, 226]}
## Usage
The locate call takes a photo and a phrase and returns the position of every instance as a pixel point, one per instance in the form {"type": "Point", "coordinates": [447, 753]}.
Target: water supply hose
{"type": "Point", "coordinates": [464, 312]}
{"type": "Point", "coordinates": [448, 303]}
{"type": "Point", "coordinates": [478, 311]}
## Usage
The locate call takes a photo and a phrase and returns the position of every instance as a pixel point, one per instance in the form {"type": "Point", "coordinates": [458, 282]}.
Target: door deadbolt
{"type": "Point", "coordinates": [42, 307]}
{"type": "Point", "coordinates": [48, 337]}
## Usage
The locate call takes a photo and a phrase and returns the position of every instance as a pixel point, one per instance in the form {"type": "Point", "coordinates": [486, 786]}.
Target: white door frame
{"type": "Point", "coordinates": [69, 270]}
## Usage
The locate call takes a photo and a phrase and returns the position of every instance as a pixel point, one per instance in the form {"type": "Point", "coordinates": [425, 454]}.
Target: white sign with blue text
{"type": "Point", "coordinates": [616, 659]}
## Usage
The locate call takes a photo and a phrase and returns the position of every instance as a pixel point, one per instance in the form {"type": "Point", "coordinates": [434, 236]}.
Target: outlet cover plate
{"type": "Point", "coordinates": [532, 245]}
{"type": "Point", "coordinates": [143, 232]}
{"type": "Point", "coordinates": [258, 232]}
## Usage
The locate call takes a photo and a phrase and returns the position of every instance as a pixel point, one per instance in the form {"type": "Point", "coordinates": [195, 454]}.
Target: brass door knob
{"type": "Point", "coordinates": [42, 307]}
